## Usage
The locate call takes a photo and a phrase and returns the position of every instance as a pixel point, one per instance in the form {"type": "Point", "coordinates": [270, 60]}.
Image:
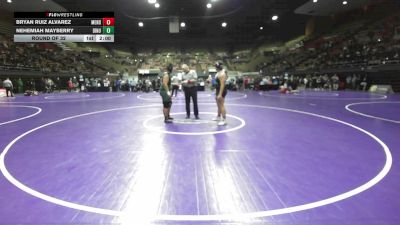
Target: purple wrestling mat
{"type": "Point", "coordinates": [107, 158]}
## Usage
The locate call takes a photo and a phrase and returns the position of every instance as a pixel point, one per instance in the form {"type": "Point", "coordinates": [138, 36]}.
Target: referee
{"type": "Point", "coordinates": [189, 84]}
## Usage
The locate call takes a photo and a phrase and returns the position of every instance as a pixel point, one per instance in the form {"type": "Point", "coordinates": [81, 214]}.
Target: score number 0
{"type": "Point", "coordinates": [108, 25]}
{"type": "Point", "coordinates": [108, 21]}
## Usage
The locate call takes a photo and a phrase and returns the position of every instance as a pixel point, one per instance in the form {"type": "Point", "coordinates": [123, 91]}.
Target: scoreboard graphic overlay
{"type": "Point", "coordinates": [64, 26]}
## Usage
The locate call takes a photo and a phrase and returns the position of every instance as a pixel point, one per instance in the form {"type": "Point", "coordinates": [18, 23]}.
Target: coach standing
{"type": "Point", "coordinates": [8, 85]}
{"type": "Point", "coordinates": [189, 84]}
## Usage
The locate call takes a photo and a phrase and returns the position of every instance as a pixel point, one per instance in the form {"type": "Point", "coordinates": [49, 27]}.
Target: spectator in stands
{"type": "Point", "coordinates": [364, 84]}
{"type": "Point", "coordinates": [93, 84]}
{"type": "Point", "coordinates": [142, 84]}
{"type": "Point", "coordinates": [213, 83]}
{"type": "Point", "coordinates": [20, 85]}
{"type": "Point", "coordinates": [348, 82]}
{"type": "Point", "coordinates": [246, 83]}
{"type": "Point", "coordinates": [8, 85]}
{"type": "Point", "coordinates": [175, 85]}
{"type": "Point", "coordinates": [99, 84]}
{"type": "Point", "coordinates": [147, 84]}
{"type": "Point", "coordinates": [293, 82]}
{"type": "Point", "coordinates": [32, 85]}
{"type": "Point", "coordinates": [87, 84]}
{"type": "Point", "coordinates": [134, 84]}
{"type": "Point", "coordinates": [306, 82]}
{"type": "Point", "coordinates": [118, 84]}
{"type": "Point", "coordinates": [326, 84]}
{"type": "Point", "coordinates": [58, 84]}
{"type": "Point", "coordinates": [107, 85]}
{"type": "Point", "coordinates": [154, 84]}
{"type": "Point", "coordinates": [76, 84]}
{"type": "Point", "coordinates": [70, 85]}
{"type": "Point", "coordinates": [335, 82]}
{"type": "Point", "coordinates": [319, 82]}
{"type": "Point", "coordinates": [81, 83]}
{"type": "Point", "coordinates": [49, 85]}
{"type": "Point", "coordinates": [209, 82]}
{"type": "Point", "coordinates": [129, 84]}
{"type": "Point", "coordinates": [42, 85]}
{"type": "Point", "coordinates": [358, 81]}
{"type": "Point", "coordinates": [313, 81]}
{"type": "Point", "coordinates": [189, 83]}
{"type": "Point", "coordinates": [354, 82]}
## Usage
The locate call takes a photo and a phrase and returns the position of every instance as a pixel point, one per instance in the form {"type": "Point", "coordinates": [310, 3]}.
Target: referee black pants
{"type": "Point", "coordinates": [9, 90]}
{"type": "Point", "coordinates": [191, 92]}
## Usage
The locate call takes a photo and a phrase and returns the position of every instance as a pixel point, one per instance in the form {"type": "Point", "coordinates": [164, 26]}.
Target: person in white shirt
{"type": "Point", "coordinates": [189, 84]}
{"type": "Point", "coordinates": [106, 84]}
{"type": "Point", "coordinates": [8, 85]}
{"type": "Point", "coordinates": [175, 85]}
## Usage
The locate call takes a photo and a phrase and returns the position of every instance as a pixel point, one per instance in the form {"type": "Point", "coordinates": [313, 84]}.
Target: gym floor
{"type": "Point", "coordinates": [310, 158]}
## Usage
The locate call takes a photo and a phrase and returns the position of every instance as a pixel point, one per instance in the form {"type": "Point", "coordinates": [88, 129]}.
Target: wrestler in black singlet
{"type": "Point", "coordinates": [218, 86]}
